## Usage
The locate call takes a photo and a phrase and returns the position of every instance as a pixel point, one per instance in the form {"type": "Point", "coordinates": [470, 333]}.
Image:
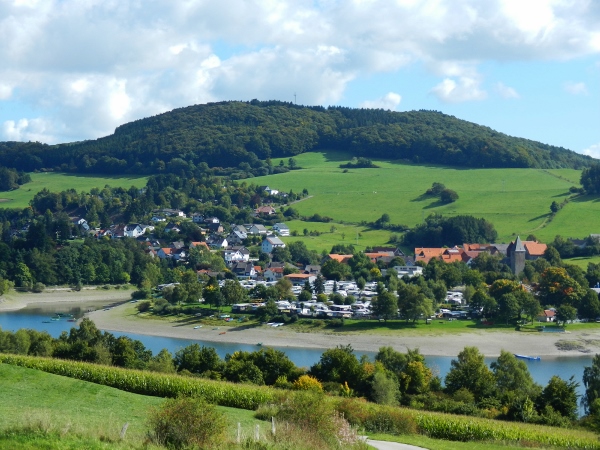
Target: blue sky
{"type": "Point", "coordinates": [73, 70]}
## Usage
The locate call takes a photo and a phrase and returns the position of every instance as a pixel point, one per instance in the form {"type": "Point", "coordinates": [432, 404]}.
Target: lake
{"type": "Point", "coordinates": [40, 319]}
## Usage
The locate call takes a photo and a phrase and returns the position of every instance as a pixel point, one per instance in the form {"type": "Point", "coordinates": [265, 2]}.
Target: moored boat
{"type": "Point", "coordinates": [531, 358]}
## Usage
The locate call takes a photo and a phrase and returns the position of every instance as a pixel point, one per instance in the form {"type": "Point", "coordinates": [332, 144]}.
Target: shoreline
{"type": "Point", "coordinates": [58, 297]}
{"type": "Point", "coordinates": [123, 318]}
{"type": "Point", "coordinates": [490, 343]}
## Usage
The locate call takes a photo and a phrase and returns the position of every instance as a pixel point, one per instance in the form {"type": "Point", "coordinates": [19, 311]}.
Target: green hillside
{"type": "Point", "coordinates": [227, 134]}
{"type": "Point", "coordinates": [57, 182]}
{"type": "Point", "coordinates": [516, 201]}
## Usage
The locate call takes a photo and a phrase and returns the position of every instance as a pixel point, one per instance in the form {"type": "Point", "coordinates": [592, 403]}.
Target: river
{"type": "Point", "coordinates": [40, 319]}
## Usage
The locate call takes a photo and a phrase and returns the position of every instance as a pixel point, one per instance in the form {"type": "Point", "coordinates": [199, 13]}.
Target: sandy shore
{"type": "Point", "coordinates": [489, 342]}
{"type": "Point", "coordinates": [17, 300]}
{"type": "Point", "coordinates": [124, 318]}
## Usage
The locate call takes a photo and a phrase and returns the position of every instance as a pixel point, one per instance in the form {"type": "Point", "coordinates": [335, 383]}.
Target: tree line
{"type": "Point", "coordinates": [505, 390]}
{"type": "Point", "coordinates": [241, 137]}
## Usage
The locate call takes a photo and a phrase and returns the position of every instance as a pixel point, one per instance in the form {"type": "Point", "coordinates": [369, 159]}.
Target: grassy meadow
{"type": "Point", "coordinates": [84, 415]}
{"type": "Point", "coordinates": [56, 182]}
{"type": "Point", "coordinates": [516, 201]}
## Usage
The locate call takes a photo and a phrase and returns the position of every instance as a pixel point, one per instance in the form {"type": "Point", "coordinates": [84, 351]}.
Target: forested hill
{"type": "Point", "coordinates": [229, 133]}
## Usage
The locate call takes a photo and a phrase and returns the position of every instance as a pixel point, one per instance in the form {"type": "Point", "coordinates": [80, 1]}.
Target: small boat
{"type": "Point", "coordinates": [223, 332]}
{"type": "Point", "coordinates": [259, 344]}
{"type": "Point", "coordinates": [530, 358]}
{"type": "Point", "coordinates": [197, 326]}
{"type": "Point", "coordinates": [71, 320]}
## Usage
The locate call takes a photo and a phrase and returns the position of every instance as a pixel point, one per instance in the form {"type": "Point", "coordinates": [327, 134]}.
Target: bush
{"type": "Point", "coordinates": [184, 422]}
{"type": "Point", "coordinates": [308, 383]}
{"type": "Point", "coordinates": [144, 306]}
{"type": "Point", "coordinates": [38, 287]}
{"type": "Point", "coordinates": [140, 294]}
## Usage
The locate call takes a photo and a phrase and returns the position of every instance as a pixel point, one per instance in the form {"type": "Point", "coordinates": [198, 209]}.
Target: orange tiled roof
{"type": "Point", "coordinates": [425, 254]}
{"type": "Point", "coordinates": [535, 248]}
{"type": "Point", "coordinates": [340, 258]}
{"type": "Point", "coordinates": [299, 275]}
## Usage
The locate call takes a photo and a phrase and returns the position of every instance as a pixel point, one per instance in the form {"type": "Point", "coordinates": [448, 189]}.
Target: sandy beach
{"type": "Point", "coordinates": [63, 296]}
{"type": "Point", "coordinates": [123, 318]}
{"type": "Point", "coordinates": [489, 342]}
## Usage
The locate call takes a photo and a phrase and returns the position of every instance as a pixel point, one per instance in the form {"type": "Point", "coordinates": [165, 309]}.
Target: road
{"type": "Point", "coordinates": [384, 445]}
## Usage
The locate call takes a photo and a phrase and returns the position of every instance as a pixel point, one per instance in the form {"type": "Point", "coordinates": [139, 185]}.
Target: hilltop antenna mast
{"type": "Point", "coordinates": [294, 98]}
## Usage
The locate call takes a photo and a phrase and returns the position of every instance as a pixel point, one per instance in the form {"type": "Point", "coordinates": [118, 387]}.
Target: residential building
{"type": "Point", "coordinates": [270, 243]}
{"type": "Point", "coordinates": [281, 229]}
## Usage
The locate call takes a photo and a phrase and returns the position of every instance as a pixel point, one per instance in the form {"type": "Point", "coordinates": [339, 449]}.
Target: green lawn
{"type": "Point", "coordinates": [516, 201]}
{"type": "Point", "coordinates": [345, 234]}
{"type": "Point", "coordinates": [88, 413]}
{"type": "Point", "coordinates": [56, 182]}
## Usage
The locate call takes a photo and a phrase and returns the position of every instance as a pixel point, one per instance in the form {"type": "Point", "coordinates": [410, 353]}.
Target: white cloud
{"type": "Point", "coordinates": [506, 91]}
{"type": "Point", "coordinates": [593, 151]}
{"type": "Point", "coordinates": [27, 130]}
{"type": "Point", "coordinates": [576, 88]}
{"type": "Point", "coordinates": [86, 67]}
{"type": "Point", "coordinates": [462, 90]}
{"type": "Point", "coordinates": [389, 101]}
{"type": "Point", "coordinates": [5, 91]}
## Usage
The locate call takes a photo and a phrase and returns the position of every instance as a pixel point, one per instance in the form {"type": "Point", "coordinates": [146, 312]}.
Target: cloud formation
{"type": "Point", "coordinates": [576, 88]}
{"type": "Point", "coordinates": [593, 151]}
{"type": "Point", "coordinates": [506, 91]}
{"type": "Point", "coordinates": [389, 101]}
{"type": "Point", "coordinates": [87, 67]}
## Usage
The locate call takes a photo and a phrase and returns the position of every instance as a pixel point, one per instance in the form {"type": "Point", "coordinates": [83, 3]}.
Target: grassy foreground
{"type": "Point", "coordinates": [434, 425]}
{"type": "Point", "coordinates": [516, 201]}
{"type": "Point", "coordinates": [51, 411]}
{"type": "Point", "coordinates": [57, 182]}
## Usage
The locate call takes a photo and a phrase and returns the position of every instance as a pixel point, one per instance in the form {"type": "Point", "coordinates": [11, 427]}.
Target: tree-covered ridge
{"type": "Point", "coordinates": [227, 134]}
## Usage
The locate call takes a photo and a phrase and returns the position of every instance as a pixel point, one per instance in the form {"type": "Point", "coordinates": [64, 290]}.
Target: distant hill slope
{"type": "Point", "coordinates": [229, 133]}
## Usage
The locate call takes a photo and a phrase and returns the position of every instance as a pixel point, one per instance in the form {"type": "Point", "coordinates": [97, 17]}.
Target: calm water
{"type": "Point", "coordinates": [40, 319]}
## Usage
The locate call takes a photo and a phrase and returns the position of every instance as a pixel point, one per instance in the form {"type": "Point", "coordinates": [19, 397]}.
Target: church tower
{"type": "Point", "coordinates": [517, 257]}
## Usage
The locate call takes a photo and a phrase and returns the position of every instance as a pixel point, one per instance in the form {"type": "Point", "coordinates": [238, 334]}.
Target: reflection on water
{"type": "Point", "coordinates": [39, 318]}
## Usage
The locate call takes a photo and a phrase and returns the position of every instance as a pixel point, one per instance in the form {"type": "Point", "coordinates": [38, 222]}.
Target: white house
{"type": "Point", "coordinates": [282, 229]}
{"type": "Point", "coordinates": [270, 243]}
{"type": "Point", "coordinates": [411, 271]}
{"type": "Point", "coordinates": [236, 254]}
{"type": "Point", "coordinates": [273, 274]}
{"type": "Point", "coordinates": [244, 270]}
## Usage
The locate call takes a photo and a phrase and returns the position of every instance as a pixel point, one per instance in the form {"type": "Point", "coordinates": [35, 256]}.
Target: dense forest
{"type": "Point", "coordinates": [11, 179]}
{"type": "Point", "coordinates": [238, 135]}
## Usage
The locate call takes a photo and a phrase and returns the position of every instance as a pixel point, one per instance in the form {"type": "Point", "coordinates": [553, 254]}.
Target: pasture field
{"type": "Point", "coordinates": [56, 182]}
{"type": "Point", "coordinates": [516, 201]}
{"type": "Point", "coordinates": [359, 236]}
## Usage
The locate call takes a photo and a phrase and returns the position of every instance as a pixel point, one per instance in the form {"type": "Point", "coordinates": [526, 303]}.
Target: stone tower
{"type": "Point", "coordinates": [517, 257]}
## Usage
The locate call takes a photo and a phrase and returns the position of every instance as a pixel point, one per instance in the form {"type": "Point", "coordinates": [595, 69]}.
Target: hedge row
{"type": "Point", "coordinates": [370, 416]}
{"type": "Point", "coordinates": [150, 383]}
{"type": "Point", "coordinates": [395, 420]}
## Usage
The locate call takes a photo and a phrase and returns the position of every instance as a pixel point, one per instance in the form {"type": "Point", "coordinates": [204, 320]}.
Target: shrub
{"type": "Point", "coordinates": [186, 421]}
{"type": "Point", "coordinates": [308, 383]}
{"type": "Point", "coordinates": [140, 294]}
{"type": "Point", "coordinates": [38, 287]}
{"type": "Point", "coordinates": [144, 306]}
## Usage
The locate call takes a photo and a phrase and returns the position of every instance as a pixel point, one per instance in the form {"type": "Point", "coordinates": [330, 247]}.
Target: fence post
{"type": "Point", "coordinates": [239, 433]}
{"type": "Point", "coordinates": [256, 433]}
{"type": "Point", "coordinates": [273, 425]}
{"type": "Point", "coordinates": [124, 430]}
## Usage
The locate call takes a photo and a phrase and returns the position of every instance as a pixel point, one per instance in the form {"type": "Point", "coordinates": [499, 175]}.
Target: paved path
{"type": "Point", "coordinates": [384, 445]}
